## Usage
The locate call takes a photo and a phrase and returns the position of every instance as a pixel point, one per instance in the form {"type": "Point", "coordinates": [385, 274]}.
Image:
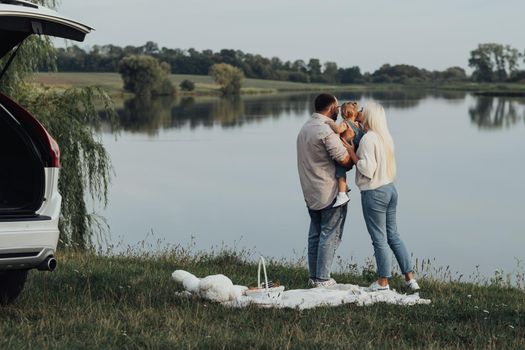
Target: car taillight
{"type": "Point", "coordinates": [48, 144]}
{"type": "Point", "coordinates": [54, 151]}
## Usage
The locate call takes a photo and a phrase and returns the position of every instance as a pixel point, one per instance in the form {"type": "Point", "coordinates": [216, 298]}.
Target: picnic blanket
{"type": "Point", "coordinates": [220, 288]}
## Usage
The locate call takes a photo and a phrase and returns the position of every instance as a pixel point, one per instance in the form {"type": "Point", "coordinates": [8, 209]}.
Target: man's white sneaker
{"type": "Point", "coordinates": [412, 285]}
{"type": "Point", "coordinates": [342, 198]}
{"type": "Point", "coordinates": [376, 287]}
{"type": "Point", "coordinates": [311, 282]}
{"type": "Point", "coordinates": [328, 283]}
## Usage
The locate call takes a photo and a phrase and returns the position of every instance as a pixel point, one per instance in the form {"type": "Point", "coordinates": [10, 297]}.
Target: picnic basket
{"type": "Point", "coordinates": [264, 292]}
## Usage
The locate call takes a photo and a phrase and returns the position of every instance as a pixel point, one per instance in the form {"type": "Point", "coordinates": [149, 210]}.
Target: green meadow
{"type": "Point", "coordinates": [129, 301]}
{"type": "Point", "coordinates": [204, 85]}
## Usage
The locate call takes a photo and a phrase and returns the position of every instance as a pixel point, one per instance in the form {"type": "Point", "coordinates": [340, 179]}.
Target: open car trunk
{"type": "Point", "coordinates": [22, 176]}
{"type": "Point", "coordinates": [26, 148]}
{"type": "Point", "coordinates": [19, 19]}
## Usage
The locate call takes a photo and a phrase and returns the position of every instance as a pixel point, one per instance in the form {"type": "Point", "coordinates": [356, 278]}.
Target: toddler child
{"type": "Point", "coordinates": [351, 131]}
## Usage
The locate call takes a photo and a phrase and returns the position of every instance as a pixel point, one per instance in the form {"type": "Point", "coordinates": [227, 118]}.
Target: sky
{"type": "Point", "coordinates": [428, 34]}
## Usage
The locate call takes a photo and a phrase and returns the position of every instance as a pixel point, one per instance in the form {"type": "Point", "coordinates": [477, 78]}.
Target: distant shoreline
{"type": "Point", "coordinates": [205, 86]}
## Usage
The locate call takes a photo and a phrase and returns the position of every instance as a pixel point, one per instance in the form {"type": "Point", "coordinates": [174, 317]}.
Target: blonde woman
{"type": "Point", "coordinates": [376, 170]}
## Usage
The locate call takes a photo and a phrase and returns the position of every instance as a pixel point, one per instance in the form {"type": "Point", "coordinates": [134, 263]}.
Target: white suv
{"type": "Point", "coordinates": [29, 198]}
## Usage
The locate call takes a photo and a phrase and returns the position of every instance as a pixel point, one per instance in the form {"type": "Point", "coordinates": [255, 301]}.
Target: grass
{"type": "Point", "coordinates": [110, 81]}
{"type": "Point", "coordinates": [204, 85]}
{"type": "Point", "coordinates": [130, 301]}
{"type": "Point", "coordinates": [488, 88]}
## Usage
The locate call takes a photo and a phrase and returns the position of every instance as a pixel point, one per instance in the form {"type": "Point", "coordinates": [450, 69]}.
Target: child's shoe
{"type": "Point", "coordinates": [342, 198]}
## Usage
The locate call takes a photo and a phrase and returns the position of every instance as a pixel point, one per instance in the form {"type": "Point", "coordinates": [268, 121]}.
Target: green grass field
{"type": "Point", "coordinates": [129, 302]}
{"type": "Point", "coordinates": [204, 85]}
{"type": "Point", "coordinates": [486, 87]}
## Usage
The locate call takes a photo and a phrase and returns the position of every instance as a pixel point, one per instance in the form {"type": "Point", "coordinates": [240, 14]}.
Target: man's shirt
{"type": "Point", "coordinates": [318, 146]}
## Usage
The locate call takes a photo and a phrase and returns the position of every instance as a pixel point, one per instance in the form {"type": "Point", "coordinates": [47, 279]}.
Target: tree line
{"type": "Point", "coordinates": [491, 63]}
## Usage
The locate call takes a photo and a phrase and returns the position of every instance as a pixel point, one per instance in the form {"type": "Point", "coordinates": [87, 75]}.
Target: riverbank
{"type": "Point", "coordinates": [204, 85]}
{"type": "Point", "coordinates": [129, 301]}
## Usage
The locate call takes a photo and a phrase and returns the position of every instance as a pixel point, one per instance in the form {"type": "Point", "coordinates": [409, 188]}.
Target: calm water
{"type": "Point", "coordinates": [212, 172]}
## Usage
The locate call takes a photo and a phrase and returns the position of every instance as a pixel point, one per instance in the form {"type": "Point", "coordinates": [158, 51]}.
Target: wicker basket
{"type": "Point", "coordinates": [264, 292]}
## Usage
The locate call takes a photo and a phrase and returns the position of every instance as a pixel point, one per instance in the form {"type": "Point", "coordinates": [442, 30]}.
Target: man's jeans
{"type": "Point", "coordinates": [379, 210]}
{"type": "Point", "coordinates": [326, 230]}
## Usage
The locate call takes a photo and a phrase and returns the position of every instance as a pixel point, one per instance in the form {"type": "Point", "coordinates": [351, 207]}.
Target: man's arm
{"type": "Point", "coordinates": [346, 162]}
{"type": "Point", "coordinates": [337, 151]}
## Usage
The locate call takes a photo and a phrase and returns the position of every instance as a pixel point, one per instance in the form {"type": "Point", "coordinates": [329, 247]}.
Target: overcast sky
{"type": "Point", "coordinates": [429, 34]}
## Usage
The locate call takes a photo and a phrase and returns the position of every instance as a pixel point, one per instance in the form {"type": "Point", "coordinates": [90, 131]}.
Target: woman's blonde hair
{"type": "Point", "coordinates": [374, 116]}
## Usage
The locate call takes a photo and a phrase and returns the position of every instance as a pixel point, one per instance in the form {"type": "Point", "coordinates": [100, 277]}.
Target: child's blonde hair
{"type": "Point", "coordinates": [345, 105]}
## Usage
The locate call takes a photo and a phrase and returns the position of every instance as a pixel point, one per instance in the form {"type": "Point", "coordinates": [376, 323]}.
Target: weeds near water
{"type": "Point", "coordinates": [223, 254]}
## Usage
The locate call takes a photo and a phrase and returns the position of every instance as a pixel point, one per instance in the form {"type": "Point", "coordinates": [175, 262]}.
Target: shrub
{"type": "Point", "coordinates": [187, 85]}
{"type": "Point", "coordinates": [228, 77]}
{"type": "Point", "coordinates": [144, 75]}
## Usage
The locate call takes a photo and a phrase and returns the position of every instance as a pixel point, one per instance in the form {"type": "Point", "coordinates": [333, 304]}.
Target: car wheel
{"type": "Point", "coordinates": [11, 284]}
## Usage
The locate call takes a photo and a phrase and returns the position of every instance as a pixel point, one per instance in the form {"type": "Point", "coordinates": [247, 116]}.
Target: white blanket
{"type": "Point", "coordinates": [219, 288]}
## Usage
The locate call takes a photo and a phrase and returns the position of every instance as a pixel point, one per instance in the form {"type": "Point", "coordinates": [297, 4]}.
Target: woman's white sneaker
{"type": "Point", "coordinates": [376, 287]}
{"type": "Point", "coordinates": [342, 198]}
{"type": "Point", "coordinates": [412, 285]}
{"type": "Point", "coordinates": [325, 284]}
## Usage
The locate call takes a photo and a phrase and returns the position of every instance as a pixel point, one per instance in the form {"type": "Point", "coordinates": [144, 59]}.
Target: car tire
{"type": "Point", "coordinates": [11, 284]}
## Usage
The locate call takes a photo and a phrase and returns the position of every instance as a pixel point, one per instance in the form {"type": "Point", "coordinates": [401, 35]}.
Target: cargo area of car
{"type": "Point", "coordinates": [22, 176]}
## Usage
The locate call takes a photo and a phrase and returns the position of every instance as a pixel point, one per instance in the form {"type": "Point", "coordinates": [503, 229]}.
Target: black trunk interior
{"type": "Point", "coordinates": [22, 177]}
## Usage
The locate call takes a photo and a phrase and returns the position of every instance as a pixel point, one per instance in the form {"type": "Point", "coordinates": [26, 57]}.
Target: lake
{"type": "Point", "coordinates": [207, 173]}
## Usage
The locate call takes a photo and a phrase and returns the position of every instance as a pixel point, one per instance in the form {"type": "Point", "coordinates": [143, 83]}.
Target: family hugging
{"type": "Point", "coordinates": [325, 152]}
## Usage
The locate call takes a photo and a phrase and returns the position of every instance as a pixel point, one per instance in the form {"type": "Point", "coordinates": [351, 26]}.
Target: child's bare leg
{"type": "Point", "coordinates": [342, 196]}
{"type": "Point", "coordinates": [341, 184]}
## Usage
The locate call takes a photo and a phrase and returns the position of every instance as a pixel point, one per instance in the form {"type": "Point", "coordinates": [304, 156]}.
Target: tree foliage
{"type": "Point", "coordinates": [408, 74]}
{"type": "Point", "coordinates": [145, 75]}
{"type": "Point", "coordinates": [454, 74]}
{"type": "Point", "coordinates": [228, 77]}
{"type": "Point", "coordinates": [491, 62]}
{"type": "Point", "coordinates": [350, 75]}
{"type": "Point", "coordinates": [494, 62]}
{"type": "Point", "coordinates": [330, 72]}
{"type": "Point", "coordinates": [105, 58]}
{"type": "Point", "coordinates": [401, 73]}
{"type": "Point", "coordinates": [187, 85]}
{"type": "Point", "coordinates": [72, 119]}
{"type": "Point", "coordinates": [33, 53]}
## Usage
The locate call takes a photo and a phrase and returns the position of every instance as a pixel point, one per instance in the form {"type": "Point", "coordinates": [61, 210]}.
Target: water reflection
{"type": "Point", "coordinates": [145, 114]}
{"type": "Point", "coordinates": [226, 111]}
{"type": "Point", "coordinates": [149, 115]}
{"type": "Point", "coordinates": [404, 99]}
{"type": "Point", "coordinates": [496, 113]}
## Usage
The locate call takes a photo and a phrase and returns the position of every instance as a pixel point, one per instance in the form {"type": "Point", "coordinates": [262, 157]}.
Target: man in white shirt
{"type": "Point", "coordinates": [318, 146]}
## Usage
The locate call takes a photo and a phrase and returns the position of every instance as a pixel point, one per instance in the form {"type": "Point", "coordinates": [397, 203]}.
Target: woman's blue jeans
{"type": "Point", "coordinates": [379, 210]}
